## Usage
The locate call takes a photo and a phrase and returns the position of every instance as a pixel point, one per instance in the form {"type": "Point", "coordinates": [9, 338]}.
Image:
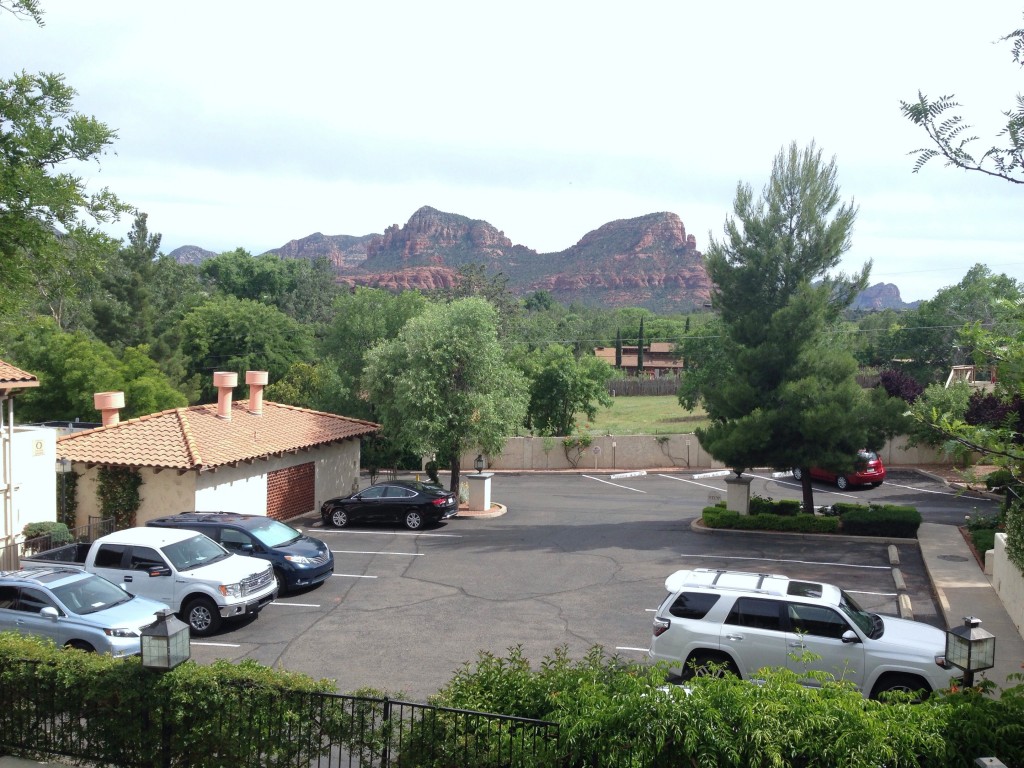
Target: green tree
{"type": "Point", "coordinates": [562, 385]}
{"type": "Point", "coordinates": [41, 201]}
{"type": "Point", "coordinates": [311, 385]}
{"type": "Point", "coordinates": [790, 398]}
{"type": "Point", "coordinates": [229, 334]}
{"type": "Point", "coordinates": [640, 348]}
{"type": "Point", "coordinates": [72, 367]}
{"type": "Point", "coordinates": [443, 386]}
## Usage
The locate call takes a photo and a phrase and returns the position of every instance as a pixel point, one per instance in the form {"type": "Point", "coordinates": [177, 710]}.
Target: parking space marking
{"type": "Point", "coordinates": [391, 533]}
{"type": "Point", "coordinates": [354, 575]}
{"type": "Point", "coordinates": [781, 560]}
{"type": "Point", "coordinates": [875, 594]}
{"type": "Point", "coordinates": [216, 645]}
{"type": "Point", "coordinates": [691, 482]}
{"type": "Point", "coordinates": [630, 648]}
{"type": "Point", "coordinates": [591, 477]}
{"type": "Point", "coordinates": [798, 485]}
{"type": "Point", "coordinates": [297, 605]}
{"type": "Point", "coordinates": [937, 493]}
{"type": "Point", "coordinates": [361, 552]}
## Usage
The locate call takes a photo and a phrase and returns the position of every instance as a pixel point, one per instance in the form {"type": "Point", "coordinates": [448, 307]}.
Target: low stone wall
{"type": "Point", "coordinates": [1008, 582]}
{"type": "Point", "coordinates": [611, 453]}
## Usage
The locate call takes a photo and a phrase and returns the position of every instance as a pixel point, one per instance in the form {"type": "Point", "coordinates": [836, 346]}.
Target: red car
{"type": "Point", "coordinates": [868, 470]}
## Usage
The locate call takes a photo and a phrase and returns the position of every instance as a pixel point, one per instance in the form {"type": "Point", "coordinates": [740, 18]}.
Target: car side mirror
{"type": "Point", "coordinates": [849, 636]}
{"type": "Point", "coordinates": [160, 570]}
{"type": "Point", "coordinates": [49, 612]}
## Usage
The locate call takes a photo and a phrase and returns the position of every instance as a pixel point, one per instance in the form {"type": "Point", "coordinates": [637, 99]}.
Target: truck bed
{"type": "Point", "coordinates": [68, 554]}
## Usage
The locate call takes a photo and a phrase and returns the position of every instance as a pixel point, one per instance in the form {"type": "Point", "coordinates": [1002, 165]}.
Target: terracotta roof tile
{"type": "Point", "coordinates": [11, 377]}
{"type": "Point", "coordinates": [195, 438]}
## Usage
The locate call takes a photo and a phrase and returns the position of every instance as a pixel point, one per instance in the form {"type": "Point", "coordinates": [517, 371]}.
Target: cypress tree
{"type": "Point", "coordinates": [618, 348]}
{"type": "Point", "coordinates": [640, 348]}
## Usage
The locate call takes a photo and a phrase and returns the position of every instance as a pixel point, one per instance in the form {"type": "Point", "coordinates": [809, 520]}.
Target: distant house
{"type": "Point", "coordinates": [659, 358]}
{"type": "Point", "coordinates": [249, 456]}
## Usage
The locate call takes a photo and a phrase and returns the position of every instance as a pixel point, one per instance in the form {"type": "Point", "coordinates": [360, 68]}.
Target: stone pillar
{"type": "Point", "coordinates": [738, 494]}
{"type": "Point", "coordinates": [479, 491]}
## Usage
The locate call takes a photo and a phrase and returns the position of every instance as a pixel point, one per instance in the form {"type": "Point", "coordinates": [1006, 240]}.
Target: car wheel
{"type": "Point", "coordinates": [901, 684]}
{"type": "Point", "coordinates": [202, 616]}
{"type": "Point", "coordinates": [413, 520]}
{"type": "Point", "coordinates": [80, 645]}
{"type": "Point", "coordinates": [339, 517]}
{"type": "Point", "coordinates": [798, 474]}
{"type": "Point", "coordinates": [842, 483]}
{"type": "Point", "coordinates": [282, 587]}
{"type": "Point", "coordinates": [709, 665]}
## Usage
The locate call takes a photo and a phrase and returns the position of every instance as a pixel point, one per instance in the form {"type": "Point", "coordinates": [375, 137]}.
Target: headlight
{"type": "Point", "coordinates": [120, 632]}
{"type": "Point", "coordinates": [299, 559]}
{"type": "Point", "coordinates": [231, 590]}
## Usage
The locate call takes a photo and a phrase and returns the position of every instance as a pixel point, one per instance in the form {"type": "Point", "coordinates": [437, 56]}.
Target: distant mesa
{"type": "Point", "coordinates": [649, 261]}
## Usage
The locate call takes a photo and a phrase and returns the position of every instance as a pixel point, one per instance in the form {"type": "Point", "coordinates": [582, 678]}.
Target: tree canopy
{"type": "Point", "coordinates": [443, 385]}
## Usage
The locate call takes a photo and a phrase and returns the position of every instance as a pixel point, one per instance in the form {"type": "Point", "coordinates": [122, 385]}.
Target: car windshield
{"type": "Point", "coordinates": [271, 533]}
{"type": "Point", "coordinates": [90, 594]}
{"type": "Point", "coordinates": [870, 624]}
{"type": "Point", "coordinates": [194, 552]}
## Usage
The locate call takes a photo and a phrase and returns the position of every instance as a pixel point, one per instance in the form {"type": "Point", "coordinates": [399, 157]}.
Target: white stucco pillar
{"type": "Point", "coordinates": [737, 497]}
{"type": "Point", "coordinates": [479, 491]}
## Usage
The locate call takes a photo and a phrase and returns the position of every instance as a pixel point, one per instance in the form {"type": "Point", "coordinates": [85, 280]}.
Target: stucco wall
{"type": "Point", "coordinates": [33, 478]}
{"type": "Point", "coordinates": [627, 452]}
{"type": "Point", "coordinates": [337, 471]}
{"type": "Point", "coordinates": [1009, 583]}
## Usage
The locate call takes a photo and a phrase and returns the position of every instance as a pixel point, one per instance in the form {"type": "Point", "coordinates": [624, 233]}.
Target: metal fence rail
{"type": "Point", "coordinates": [11, 554]}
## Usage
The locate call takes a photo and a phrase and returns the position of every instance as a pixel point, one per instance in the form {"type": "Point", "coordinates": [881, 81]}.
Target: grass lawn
{"type": "Point", "coordinates": [643, 415]}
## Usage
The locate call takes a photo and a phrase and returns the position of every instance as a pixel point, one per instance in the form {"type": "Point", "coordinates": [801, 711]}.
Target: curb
{"type": "Point", "coordinates": [496, 510]}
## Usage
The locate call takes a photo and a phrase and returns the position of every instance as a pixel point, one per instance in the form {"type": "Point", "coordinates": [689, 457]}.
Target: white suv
{"type": "Point", "coordinates": [748, 621]}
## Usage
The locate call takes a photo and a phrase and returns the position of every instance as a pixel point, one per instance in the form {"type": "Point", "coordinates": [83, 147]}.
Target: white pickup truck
{"type": "Point", "coordinates": [200, 580]}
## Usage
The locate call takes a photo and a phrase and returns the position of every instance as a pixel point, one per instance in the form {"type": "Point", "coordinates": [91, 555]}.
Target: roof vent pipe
{"type": "Point", "coordinates": [109, 404]}
{"type": "Point", "coordinates": [224, 381]}
{"type": "Point", "coordinates": [256, 380]}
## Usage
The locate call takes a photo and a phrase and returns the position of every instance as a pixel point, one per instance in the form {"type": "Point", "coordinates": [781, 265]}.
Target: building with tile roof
{"type": "Point", "coordinates": [248, 456]}
{"type": "Point", "coordinates": [26, 462]}
{"type": "Point", "coordinates": [659, 358]}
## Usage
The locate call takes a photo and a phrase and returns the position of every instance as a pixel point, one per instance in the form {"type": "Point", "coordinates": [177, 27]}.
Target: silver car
{"type": "Point", "coordinates": [75, 609]}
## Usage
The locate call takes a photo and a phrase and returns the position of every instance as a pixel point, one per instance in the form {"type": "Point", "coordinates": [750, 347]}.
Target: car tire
{"type": "Point", "coordinates": [708, 664]}
{"type": "Point", "coordinates": [80, 645]}
{"type": "Point", "coordinates": [282, 585]}
{"type": "Point", "coordinates": [202, 616]}
{"type": "Point", "coordinates": [903, 684]}
{"type": "Point", "coordinates": [339, 517]}
{"type": "Point", "coordinates": [842, 483]}
{"type": "Point", "coordinates": [798, 474]}
{"type": "Point", "coordinates": [413, 519]}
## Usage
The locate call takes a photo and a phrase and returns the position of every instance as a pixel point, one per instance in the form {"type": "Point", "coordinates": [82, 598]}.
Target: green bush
{"type": "Point", "coordinates": [58, 532]}
{"type": "Point", "coordinates": [999, 480]}
{"type": "Point", "coordinates": [883, 520]}
{"type": "Point", "coordinates": [716, 517]}
{"type": "Point", "coordinates": [763, 506]}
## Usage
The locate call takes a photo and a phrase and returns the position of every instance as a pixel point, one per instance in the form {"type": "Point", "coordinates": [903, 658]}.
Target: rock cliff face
{"type": "Point", "coordinates": [191, 254]}
{"type": "Point", "coordinates": [880, 296]}
{"type": "Point", "coordinates": [344, 252]}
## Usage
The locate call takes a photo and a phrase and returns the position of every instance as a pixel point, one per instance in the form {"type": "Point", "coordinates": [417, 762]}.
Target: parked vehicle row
{"type": "Point", "coordinates": [405, 502]}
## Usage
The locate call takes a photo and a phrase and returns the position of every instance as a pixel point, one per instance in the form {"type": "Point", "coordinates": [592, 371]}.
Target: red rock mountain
{"type": "Point", "coordinates": [649, 261]}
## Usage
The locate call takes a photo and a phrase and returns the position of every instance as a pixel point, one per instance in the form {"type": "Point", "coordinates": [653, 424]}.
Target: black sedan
{"type": "Point", "coordinates": [409, 502]}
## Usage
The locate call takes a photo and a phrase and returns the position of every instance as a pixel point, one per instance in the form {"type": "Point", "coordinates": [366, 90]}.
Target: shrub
{"type": "Point", "coordinates": [999, 480]}
{"type": "Point", "coordinates": [883, 520]}
{"type": "Point", "coordinates": [766, 506]}
{"type": "Point", "coordinates": [716, 517]}
{"type": "Point", "coordinates": [58, 532]}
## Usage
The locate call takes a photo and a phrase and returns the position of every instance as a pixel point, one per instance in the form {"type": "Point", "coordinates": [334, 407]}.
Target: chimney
{"type": "Point", "coordinates": [224, 381]}
{"type": "Point", "coordinates": [256, 380]}
{"type": "Point", "coordinates": [109, 403]}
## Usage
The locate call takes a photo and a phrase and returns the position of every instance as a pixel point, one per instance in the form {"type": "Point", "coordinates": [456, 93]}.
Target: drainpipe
{"type": "Point", "coordinates": [256, 380]}
{"type": "Point", "coordinates": [109, 404]}
{"type": "Point", "coordinates": [224, 381]}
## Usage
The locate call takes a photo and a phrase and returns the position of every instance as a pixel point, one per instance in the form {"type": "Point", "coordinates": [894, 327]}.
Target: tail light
{"type": "Point", "coordinates": [660, 626]}
{"type": "Point", "coordinates": [441, 501]}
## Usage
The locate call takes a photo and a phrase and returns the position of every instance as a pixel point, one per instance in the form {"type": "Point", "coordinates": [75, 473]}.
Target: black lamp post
{"type": "Point", "coordinates": [165, 643]}
{"type": "Point", "coordinates": [970, 648]}
{"type": "Point", "coordinates": [478, 463]}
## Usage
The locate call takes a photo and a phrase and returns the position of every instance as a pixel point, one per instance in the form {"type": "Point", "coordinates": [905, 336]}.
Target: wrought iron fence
{"type": "Point", "coordinates": [264, 726]}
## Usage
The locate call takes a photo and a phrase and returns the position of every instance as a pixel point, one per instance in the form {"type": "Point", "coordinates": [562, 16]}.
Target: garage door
{"type": "Point", "coordinates": [290, 492]}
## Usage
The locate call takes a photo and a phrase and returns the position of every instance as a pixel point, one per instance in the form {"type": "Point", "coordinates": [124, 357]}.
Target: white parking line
{"type": "Point", "coordinates": [798, 485]}
{"type": "Point", "coordinates": [780, 560]}
{"type": "Point", "coordinates": [391, 533]}
{"type": "Point", "coordinates": [591, 477]}
{"type": "Point", "coordinates": [630, 648]}
{"type": "Point", "coordinates": [297, 605]}
{"type": "Point", "coordinates": [876, 594]}
{"type": "Point", "coordinates": [354, 575]}
{"type": "Point", "coordinates": [929, 490]}
{"type": "Point", "coordinates": [692, 482]}
{"type": "Point", "coordinates": [361, 552]}
{"type": "Point", "coordinates": [215, 645]}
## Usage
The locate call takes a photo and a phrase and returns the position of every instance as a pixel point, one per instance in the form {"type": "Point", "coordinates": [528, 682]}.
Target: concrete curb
{"type": "Point", "coordinates": [496, 510]}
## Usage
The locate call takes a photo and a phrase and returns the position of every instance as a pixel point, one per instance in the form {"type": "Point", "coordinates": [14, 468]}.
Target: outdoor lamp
{"type": "Point", "coordinates": [165, 643]}
{"type": "Point", "coordinates": [970, 648]}
{"type": "Point", "coordinates": [478, 463]}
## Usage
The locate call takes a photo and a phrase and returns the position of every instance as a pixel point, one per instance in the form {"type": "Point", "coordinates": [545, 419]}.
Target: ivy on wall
{"type": "Point", "coordinates": [67, 498]}
{"type": "Point", "coordinates": [119, 494]}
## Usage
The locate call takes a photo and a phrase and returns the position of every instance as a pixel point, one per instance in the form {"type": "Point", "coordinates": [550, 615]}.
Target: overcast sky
{"type": "Point", "coordinates": [249, 124]}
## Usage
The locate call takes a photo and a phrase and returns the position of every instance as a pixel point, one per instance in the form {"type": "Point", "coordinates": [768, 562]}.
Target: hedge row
{"type": "Point", "coordinates": [851, 519]}
{"type": "Point", "coordinates": [716, 517]}
{"type": "Point", "coordinates": [879, 520]}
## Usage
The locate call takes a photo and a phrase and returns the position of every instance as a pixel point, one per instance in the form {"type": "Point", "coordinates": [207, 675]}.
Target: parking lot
{"type": "Point", "coordinates": [578, 560]}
